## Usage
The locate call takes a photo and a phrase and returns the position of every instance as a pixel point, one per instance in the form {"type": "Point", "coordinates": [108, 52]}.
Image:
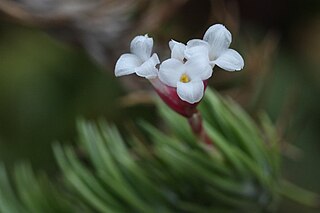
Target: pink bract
{"type": "Point", "coordinates": [170, 97]}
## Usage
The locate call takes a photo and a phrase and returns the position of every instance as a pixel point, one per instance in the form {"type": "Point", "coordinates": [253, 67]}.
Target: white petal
{"type": "Point", "coordinates": [195, 47]}
{"type": "Point", "coordinates": [196, 42]}
{"type": "Point", "coordinates": [230, 60]}
{"type": "Point", "coordinates": [126, 64]}
{"type": "Point", "coordinates": [198, 67]}
{"type": "Point", "coordinates": [191, 92]}
{"type": "Point", "coordinates": [177, 50]}
{"type": "Point", "coordinates": [219, 39]}
{"type": "Point", "coordinates": [148, 68]}
{"type": "Point", "coordinates": [142, 47]}
{"type": "Point", "coordinates": [170, 71]}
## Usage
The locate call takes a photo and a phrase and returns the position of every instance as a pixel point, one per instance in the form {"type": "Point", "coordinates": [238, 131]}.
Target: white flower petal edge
{"type": "Point", "coordinates": [219, 39]}
{"type": "Point", "coordinates": [126, 64]}
{"type": "Point", "coordinates": [139, 61]}
{"type": "Point", "coordinates": [170, 71]}
{"type": "Point", "coordinates": [148, 69]}
{"type": "Point", "coordinates": [196, 47]}
{"type": "Point", "coordinates": [197, 42]}
{"type": "Point", "coordinates": [230, 60]}
{"type": "Point", "coordinates": [141, 46]}
{"type": "Point", "coordinates": [191, 92]}
{"type": "Point", "coordinates": [177, 50]}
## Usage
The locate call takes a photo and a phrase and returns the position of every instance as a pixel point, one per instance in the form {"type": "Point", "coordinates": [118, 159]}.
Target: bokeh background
{"type": "Point", "coordinates": [57, 59]}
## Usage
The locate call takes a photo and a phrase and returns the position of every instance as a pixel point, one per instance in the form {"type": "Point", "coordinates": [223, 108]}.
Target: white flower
{"type": "Point", "coordinates": [218, 39]}
{"type": "Point", "coordinates": [139, 61]}
{"type": "Point", "coordinates": [187, 76]}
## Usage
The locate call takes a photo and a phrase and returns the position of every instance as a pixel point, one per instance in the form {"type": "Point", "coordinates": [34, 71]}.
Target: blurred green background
{"type": "Point", "coordinates": [46, 83]}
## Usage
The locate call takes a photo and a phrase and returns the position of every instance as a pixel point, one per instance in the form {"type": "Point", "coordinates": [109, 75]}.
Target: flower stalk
{"type": "Point", "coordinates": [196, 124]}
{"type": "Point", "coordinates": [189, 111]}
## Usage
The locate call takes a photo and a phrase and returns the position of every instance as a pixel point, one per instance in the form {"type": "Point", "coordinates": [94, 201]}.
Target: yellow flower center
{"type": "Point", "coordinates": [184, 78]}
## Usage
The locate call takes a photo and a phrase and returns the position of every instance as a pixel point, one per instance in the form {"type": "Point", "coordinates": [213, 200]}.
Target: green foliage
{"type": "Point", "coordinates": [160, 171]}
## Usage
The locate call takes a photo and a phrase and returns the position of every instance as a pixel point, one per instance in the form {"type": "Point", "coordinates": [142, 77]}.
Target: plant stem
{"type": "Point", "coordinates": [196, 124]}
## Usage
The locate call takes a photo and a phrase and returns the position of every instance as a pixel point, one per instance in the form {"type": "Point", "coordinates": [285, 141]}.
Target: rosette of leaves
{"type": "Point", "coordinates": [161, 170]}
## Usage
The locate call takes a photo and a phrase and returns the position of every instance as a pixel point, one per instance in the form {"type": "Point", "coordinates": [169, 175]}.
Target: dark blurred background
{"type": "Point", "coordinates": [57, 59]}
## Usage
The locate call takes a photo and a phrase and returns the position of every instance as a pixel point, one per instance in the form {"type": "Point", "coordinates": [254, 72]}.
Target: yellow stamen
{"type": "Point", "coordinates": [184, 78]}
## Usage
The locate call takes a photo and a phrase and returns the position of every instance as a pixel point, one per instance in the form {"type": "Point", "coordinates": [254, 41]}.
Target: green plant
{"type": "Point", "coordinates": [161, 170]}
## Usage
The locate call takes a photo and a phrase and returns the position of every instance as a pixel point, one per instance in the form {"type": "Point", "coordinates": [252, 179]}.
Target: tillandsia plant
{"type": "Point", "coordinates": [181, 80]}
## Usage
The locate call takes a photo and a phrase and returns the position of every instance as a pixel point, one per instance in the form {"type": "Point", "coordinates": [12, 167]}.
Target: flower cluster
{"type": "Point", "coordinates": [189, 66]}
